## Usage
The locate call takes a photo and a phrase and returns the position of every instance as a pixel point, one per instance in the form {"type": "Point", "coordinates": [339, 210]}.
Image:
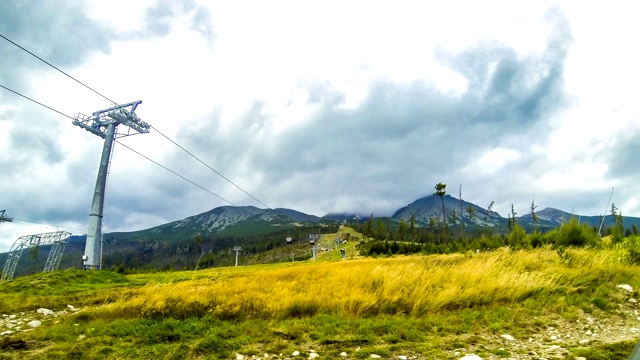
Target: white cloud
{"type": "Point", "coordinates": [495, 160]}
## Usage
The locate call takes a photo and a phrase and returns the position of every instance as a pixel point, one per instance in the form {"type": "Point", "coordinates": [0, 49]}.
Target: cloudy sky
{"type": "Point", "coordinates": [319, 106]}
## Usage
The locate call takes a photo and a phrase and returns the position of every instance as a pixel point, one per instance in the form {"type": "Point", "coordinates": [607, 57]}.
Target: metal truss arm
{"type": "Point", "coordinates": [118, 114]}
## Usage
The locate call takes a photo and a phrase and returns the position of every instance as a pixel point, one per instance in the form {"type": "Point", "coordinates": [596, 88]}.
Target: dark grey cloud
{"type": "Point", "coordinates": [42, 142]}
{"type": "Point", "coordinates": [43, 180]}
{"type": "Point", "coordinates": [38, 191]}
{"type": "Point", "coordinates": [59, 32]}
{"type": "Point", "coordinates": [623, 154]}
{"type": "Point", "coordinates": [401, 139]}
{"type": "Point", "coordinates": [63, 34]}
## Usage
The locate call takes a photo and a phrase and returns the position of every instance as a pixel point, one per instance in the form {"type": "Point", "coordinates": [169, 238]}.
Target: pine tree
{"type": "Point", "coordinates": [618, 227]}
{"type": "Point", "coordinates": [534, 216]}
{"type": "Point", "coordinates": [412, 224]}
{"type": "Point", "coordinates": [454, 217]}
{"type": "Point", "coordinates": [471, 211]}
{"type": "Point", "coordinates": [380, 232]}
{"type": "Point", "coordinates": [402, 230]}
{"type": "Point", "coordinates": [441, 191]}
{"type": "Point", "coordinates": [367, 226]}
{"type": "Point", "coordinates": [486, 215]}
{"type": "Point", "coordinates": [513, 217]}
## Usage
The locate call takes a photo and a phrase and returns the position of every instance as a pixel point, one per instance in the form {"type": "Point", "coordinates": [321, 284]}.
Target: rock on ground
{"type": "Point", "coordinates": [626, 287]}
{"type": "Point", "coordinates": [34, 323]}
{"type": "Point", "coordinates": [44, 311]}
{"type": "Point", "coordinates": [471, 357]}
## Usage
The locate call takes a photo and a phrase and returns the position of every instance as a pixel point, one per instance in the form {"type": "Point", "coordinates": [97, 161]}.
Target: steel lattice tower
{"type": "Point", "coordinates": [103, 123]}
{"type": "Point", "coordinates": [58, 240]}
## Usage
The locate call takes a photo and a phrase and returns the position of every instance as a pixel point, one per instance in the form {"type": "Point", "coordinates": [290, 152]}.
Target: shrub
{"type": "Point", "coordinates": [536, 239]}
{"type": "Point", "coordinates": [518, 238]}
{"type": "Point", "coordinates": [573, 234]}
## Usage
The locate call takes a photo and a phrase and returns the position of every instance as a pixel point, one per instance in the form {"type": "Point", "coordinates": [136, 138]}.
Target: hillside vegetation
{"type": "Point", "coordinates": [425, 306]}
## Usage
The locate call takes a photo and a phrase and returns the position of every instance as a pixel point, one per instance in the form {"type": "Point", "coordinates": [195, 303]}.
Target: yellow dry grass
{"type": "Point", "coordinates": [412, 285]}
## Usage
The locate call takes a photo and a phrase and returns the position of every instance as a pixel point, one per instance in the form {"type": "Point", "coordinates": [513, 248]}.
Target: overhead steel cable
{"type": "Point", "coordinates": [53, 66]}
{"type": "Point", "coordinates": [156, 129]}
{"type": "Point", "coordinates": [147, 158]}
{"type": "Point", "coordinates": [31, 223]}
{"type": "Point", "coordinates": [175, 173]}
{"type": "Point", "coordinates": [37, 102]}
{"type": "Point", "coordinates": [212, 169]}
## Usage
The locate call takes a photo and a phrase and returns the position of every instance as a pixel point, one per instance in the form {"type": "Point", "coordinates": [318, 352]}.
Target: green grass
{"type": "Point", "coordinates": [618, 350]}
{"type": "Point", "coordinates": [56, 289]}
{"type": "Point", "coordinates": [427, 306]}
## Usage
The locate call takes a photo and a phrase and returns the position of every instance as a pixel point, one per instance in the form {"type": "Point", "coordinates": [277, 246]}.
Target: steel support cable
{"type": "Point", "coordinates": [46, 62]}
{"type": "Point", "coordinates": [32, 223]}
{"type": "Point", "coordinates": [147, 158]}
{"type": "Point", "coordinates": [175, 173]}
{"type": "Point", "coordinates": [165, 136]}
{"type": "Point", "coordinates": [37, 102]}
{"type": "Point", "coordinates": [212, 169]}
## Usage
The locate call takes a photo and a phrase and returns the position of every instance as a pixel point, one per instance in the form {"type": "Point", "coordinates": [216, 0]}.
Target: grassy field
{"type": "Point", "coordinates": [437, 306]}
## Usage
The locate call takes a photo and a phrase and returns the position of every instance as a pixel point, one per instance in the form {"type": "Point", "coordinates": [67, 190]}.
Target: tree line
{"type": "Point", "coordinates": [387, 237]}
{"type": "Point", "coordinates": [199, 252]}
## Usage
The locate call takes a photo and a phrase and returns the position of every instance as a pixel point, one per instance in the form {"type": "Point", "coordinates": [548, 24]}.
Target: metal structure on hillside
{"type": "Point", "coordinates": [237, 250]}
{"type": "Point", "coordinates": [313, 238]}
{"type": "Point", "coordinates": [58, 241]}
{"type": "Point", "coordinates": [103, 123]}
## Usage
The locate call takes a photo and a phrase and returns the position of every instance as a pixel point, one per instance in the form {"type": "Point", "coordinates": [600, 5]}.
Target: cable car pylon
{"type": "Point", "coordinates": [103, 123]}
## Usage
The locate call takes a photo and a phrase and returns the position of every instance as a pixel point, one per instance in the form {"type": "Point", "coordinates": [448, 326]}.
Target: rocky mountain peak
{"type": "Point", "coordinates": [431, 207]}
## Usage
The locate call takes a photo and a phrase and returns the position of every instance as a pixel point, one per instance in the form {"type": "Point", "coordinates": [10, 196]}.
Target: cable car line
{"type": "Point", "coordinates": [46, 62]}
{"type": "Point", "coordinates": [147, 158]}
{"type": "Point", "coordinates": [212, 169]}
{"type": "Point", "coordinates": [156, 129]}
{"type": "Point", "coordinates": [176, 174]}
{"type": "Point", "coordinates": [37, 102]}
{"type": "Point", "coordinates": [31, 223]}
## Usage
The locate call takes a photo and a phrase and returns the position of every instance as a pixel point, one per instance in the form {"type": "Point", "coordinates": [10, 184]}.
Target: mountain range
{"type": "Point", "coordinates": [250, 220]}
